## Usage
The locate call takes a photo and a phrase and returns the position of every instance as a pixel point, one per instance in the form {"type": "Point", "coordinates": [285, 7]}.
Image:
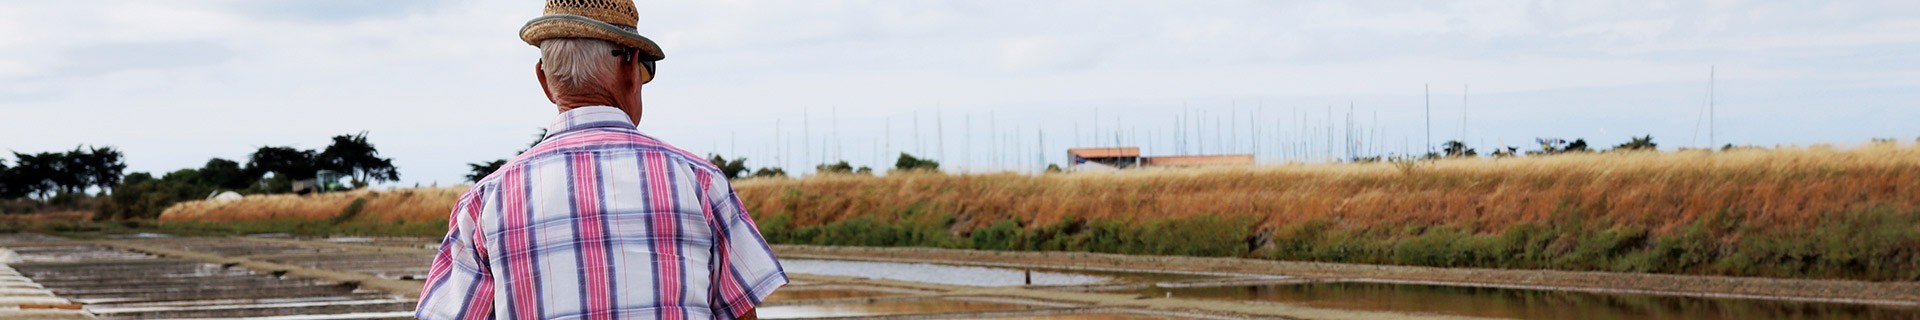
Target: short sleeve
{"type": "Point", "coordinates": [744, 268]}
{"type": "Point", "coordinates": [459, 285]}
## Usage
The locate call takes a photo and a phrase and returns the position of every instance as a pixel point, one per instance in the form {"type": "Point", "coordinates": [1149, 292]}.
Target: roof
{"type": "Point", "coordinates": [1096, 153]}
{"type": "Point", "coordinates": [1226, 159]}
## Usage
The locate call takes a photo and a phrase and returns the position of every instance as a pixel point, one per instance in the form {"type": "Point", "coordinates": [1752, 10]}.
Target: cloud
{"type": "Point", "coordinates": [97, 59]}
{"type": "Point", "coordinates": [331, 11]}
{"type": "Point", "coordinates": [443, 83]}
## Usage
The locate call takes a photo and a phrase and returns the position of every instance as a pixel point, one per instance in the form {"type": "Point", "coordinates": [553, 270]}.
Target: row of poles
{"type": "Point", "coordinates": [1023, 142]}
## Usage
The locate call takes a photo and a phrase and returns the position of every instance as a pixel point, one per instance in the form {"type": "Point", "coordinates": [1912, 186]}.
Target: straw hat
{"type": "Point", "coordinates": [610, 20]}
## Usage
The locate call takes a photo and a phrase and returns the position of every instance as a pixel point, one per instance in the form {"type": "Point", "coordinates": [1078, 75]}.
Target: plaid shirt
{"type": "Point", "coordinates": [599, 221]}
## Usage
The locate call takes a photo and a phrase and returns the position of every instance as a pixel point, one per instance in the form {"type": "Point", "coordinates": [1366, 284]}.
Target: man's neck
{"type": "Point", "coordinates": [632, 113]}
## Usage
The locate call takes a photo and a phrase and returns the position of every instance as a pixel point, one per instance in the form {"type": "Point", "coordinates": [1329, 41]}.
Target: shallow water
{"type": "Point", "coordinates": [938, 273]}
{"type": "Point", "coordinates": [1097, 316]}
{"type": "Point", "coordinates": [881, 308]}
{"type": "Point", "coordinates": [1530, 304]}
{"type": "Point", "coordinates": [785, 294]}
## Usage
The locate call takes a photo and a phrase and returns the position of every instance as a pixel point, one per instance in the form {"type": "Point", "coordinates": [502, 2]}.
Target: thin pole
{"type": "Point", "coordinates": [917, 144]}
{"type": "Point", "coordinates": [940, 132]}
{"type": "Point", "coordinates": [806, 133]}
{"type": "Point", "coordinates": [1712, 126]}
{"type": "Point", "coordinates": [780, 147]}
{"type": "Point", "coordinates": [838, 150]}
{"type": "Point", "coordinates": [888, 135]}
{"type": "Point", "coordinates": [1429, 98]}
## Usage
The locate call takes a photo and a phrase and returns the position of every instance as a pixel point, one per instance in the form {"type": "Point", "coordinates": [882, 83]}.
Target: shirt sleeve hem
{"type": "Point", "coordinates": [758, 294]}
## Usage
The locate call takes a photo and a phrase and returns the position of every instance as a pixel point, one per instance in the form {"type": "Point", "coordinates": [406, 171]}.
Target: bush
{"type": "Point", "coordinates": [352, 209]}
{"type": "Point", "coordinates": [909, 163]}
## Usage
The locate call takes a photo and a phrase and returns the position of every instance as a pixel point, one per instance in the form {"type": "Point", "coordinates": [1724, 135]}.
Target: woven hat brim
{"type": "Point", "coordinates": [573, 26]}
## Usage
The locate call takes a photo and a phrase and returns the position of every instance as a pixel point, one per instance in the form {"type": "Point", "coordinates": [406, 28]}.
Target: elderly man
{"type": "Point", "coordinates": [599, 221]}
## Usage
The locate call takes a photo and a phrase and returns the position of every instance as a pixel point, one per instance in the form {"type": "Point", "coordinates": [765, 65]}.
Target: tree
{"type": "Point", "coordinates": [354, 156]}
{"type": "Point", "coordinates": [34, 174]}
{"type": "Point", "coordinates": [834, 168]}
{"type": "Point", "coordinates": [480, 170]}
{"type": "Point", "coordinates": [1638, 144]}
{"type": "Point", "coordinates": [50, 174]}
{"type": "Point", "coordinates": [731, 168]}
{"type": "Point", "coordinates": [909, 163]}
{"type": "Point", "coordinates": [141, 195]}
{"type": "Point", "coordinates": [73, 171]}
{"type": "Point", "coordinates": [770, 172]}
{"type": "Point", "coordinates": [285, 163]}
{"type": "Point", "coordinates": [225, 174]}
{"type": "Point", "coordinates": [105, 165]}
{"type": "Point", "coordinates": [6, 182]}
{"type": "Point", "coordinates": [1578, 145]}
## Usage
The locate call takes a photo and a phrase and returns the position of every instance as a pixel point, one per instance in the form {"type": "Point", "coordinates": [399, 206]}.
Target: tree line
{"type": "Point", "coordinates": [735, 168]}
{"type": "Point", "coordinates": [1548, 146]}
{"type": "Point", "coordinates": [46, 174]}
{"type": "Point", "coordinates": [59, 180]}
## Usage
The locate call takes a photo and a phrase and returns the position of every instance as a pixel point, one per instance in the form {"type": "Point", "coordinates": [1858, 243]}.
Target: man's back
{"type": "Point", "coordinates": [600, 221]}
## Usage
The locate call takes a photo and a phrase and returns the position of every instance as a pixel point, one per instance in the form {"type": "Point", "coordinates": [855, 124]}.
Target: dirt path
{"type": "Point", "coordinates": [1884, 293]}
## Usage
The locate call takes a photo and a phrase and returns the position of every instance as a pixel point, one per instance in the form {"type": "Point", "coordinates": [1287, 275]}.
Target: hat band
{"type": "Point", "coordinates": [580, 19]}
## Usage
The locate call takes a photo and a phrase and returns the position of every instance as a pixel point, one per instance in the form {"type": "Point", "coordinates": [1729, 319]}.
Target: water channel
{"type": "Point", "coordinates": [1529, 304]}
{"type": "Point", "coordinates": [1368, 296]}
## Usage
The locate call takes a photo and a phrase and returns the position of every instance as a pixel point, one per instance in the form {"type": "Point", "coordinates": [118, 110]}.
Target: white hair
{"type": "Point", "coordinates": [576, 64]}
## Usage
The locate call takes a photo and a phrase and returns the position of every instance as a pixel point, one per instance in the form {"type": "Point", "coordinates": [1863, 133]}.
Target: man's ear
{"type": "Point", "coordinates": [628, 78]}
{"type": "Point", "coordinates": [540, 72]}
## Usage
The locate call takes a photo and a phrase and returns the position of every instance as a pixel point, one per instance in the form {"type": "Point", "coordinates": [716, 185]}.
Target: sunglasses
{"type": "Point", "coordinates": [630, 54]}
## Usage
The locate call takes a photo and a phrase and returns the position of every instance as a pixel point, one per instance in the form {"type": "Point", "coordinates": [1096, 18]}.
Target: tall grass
{"type": "Point", "coordinates": [421, 211]}
{"type": "Point", "coordinates": [1806, 212]}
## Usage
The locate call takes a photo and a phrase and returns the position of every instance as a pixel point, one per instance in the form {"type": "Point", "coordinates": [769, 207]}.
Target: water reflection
{"type": "Point", "coordinates": [1532, 304]}
{"type": "Point", "coordinates": [881, 308]}
{"type": "Point", "coordinates": [937, 273]}
{"type": "Point", "coordinates": [1098, 316]}
{"type": "Point", "coordinates": [785, 294]}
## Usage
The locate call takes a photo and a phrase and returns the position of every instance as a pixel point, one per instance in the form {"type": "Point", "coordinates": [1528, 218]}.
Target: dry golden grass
{"type": "Point", "coordinates": [422, 204]}
{"type": "Point", "coordinates": [29, 218]}
{"type": "Point", "coordinates": [1785, 188]}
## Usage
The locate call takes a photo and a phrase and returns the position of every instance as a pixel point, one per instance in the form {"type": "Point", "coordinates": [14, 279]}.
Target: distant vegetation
{"type": "Point", "coordinates": [480, 170]}
{"type": "Point", "coordinates": [60, 181]}
{"type": "Point", "coordinates": [418, 212]}
{"type": "Point", "coordinates": [1813, 213]}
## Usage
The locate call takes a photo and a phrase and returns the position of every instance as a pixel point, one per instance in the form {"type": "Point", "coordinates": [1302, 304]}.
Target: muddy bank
{"type": "Point", "coordinates": [1884, 293]}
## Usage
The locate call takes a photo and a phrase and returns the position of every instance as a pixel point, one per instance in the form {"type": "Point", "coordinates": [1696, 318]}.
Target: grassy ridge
{"type": "Point", "coordinates": [417, 212]}
{"type": "Point", "coordinates": [1821, 213]}
{"type": "Point", "coordinates": [1809, 213]}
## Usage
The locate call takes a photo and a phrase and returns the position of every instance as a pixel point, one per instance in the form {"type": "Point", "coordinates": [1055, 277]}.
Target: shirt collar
{"type": "Point", "coordinates": [583, 118]}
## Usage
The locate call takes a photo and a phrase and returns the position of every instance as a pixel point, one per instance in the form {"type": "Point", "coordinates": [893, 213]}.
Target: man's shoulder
{"type": "Point", "coordinates": [607, 141]}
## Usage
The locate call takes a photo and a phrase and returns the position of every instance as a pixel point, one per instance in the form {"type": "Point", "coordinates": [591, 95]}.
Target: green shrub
{"type": "Point", "coordinates": [352, 210]}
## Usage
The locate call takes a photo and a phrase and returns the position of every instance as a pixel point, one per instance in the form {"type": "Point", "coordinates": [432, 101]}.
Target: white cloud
{"type": "Point", "coordinates": [442, 83]}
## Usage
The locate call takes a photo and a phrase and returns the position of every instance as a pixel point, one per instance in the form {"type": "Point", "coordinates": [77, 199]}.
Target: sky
{"type": "Point", "coordinates": [978, 85]}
